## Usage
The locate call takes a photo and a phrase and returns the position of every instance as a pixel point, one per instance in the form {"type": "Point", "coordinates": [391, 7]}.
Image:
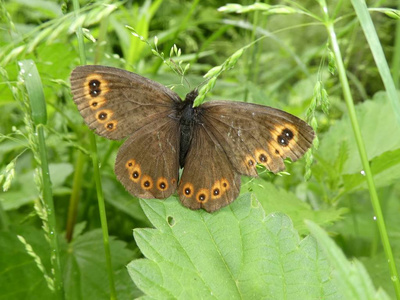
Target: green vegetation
{"type": "Point", "coordinates": [328, 228]}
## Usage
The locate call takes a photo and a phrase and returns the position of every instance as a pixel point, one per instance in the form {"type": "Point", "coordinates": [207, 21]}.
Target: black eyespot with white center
{"type": "Point", "coordinates": [94, 86]}
{"type": "Point", "coordinates": [262, 158]}
{"type": "Point", "coordinates": [285, 137]}
{"type": "Point", "coordinates": [102, 115]}
{"type": "Point", "coordinates": [287, 133]}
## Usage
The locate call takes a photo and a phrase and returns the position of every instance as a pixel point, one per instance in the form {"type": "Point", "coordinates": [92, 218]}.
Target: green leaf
{"type": "Point", "coordinates": [390, 12]}
{"type": "Point", "coordinates": [85, 275]}
{"type": "Point", "coordinates": [274, 199]}
{"type": "Point", "coordinates": [379, 272]}
{"type": "Point", "coordinates": [20, 277]}
{"type": "Point", "coordinates": [386, 170]}
{"type": "Point", "coordinates": [34, 88]}
{"type": "Point", "coordinates": [376, 48]}
{"type": "Point", "coordinates": [23, 191]}
{"type": "Point", "coordinates": [116, 195]}
{"type": "Point", "coordinates": [352, 277]}
{"type": "Point", "coordinates": [234, 253]}
{"type": "Point", "coordinates": [378, 127]}
{"type": "Point", "coordinates": [83, 263]}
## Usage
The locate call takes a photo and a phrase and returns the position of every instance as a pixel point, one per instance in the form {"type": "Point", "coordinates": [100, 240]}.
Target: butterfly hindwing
{"type": "Point", "coordinates": [254, 134]}
{"type": "Point", "coordinates": [115, 103]}
{"type": "Point", "coordinates": [147, 164]}
{"type": "Point", "coordinates": [208, 180]}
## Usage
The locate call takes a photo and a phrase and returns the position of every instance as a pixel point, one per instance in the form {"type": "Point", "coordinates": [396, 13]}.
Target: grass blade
{"type": "Point", "coordinates": [377, 52]}
{"type": "Point", "coordinates": [361, 148]}
{"type": "Point", "coordinates": [39, 116]}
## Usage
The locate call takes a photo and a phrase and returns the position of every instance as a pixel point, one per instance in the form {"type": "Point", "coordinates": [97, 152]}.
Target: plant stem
{"type": "Point", "coordinates": [45, 208]}
{"type": "Point", "coordinates": [364, 158]}
{"type": "Point", "coordinates": [102, 212]}
{"type": "Point", "coordinates": [49, 206]}
{"type": "Point", "coordinates": [97, 178]}
{"type": "Point", "coordinates": [74, 199]}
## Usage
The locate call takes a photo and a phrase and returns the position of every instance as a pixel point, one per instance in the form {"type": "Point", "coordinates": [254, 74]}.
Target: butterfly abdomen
{"type": "Point", "coordinates": [188, 116]}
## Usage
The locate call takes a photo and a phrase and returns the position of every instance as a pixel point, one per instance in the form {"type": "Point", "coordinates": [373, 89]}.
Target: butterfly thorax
{"type": "Point", "coordinates": [188, 116]}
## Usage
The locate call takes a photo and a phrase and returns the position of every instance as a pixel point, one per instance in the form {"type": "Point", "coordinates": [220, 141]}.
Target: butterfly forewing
{"type": "Point", "coordinates": [115, 103]}
{"type": "Point", "coordinates": [147, 164]}
{"type": "Point", "coordinates": [208, 180]}
{"type": "Point", "coordinates": [253, 134]}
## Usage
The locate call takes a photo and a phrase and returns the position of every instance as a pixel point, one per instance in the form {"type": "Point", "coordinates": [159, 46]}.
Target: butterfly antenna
{"type": "Point", "coordinates": [177, 69]}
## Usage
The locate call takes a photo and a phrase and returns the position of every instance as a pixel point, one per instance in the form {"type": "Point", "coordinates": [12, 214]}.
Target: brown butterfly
{"type": "Point", "coordinates": [214, 143]}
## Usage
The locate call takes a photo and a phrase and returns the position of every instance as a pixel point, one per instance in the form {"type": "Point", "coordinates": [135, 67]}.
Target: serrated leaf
{"type": "Point", "coordinates": [386, 170]}
{"type": "Point", "coordinates": [378, 127]}
{"type": "Point", "coordinates": [274, 199]}
{"type": "Point", "coordinates": [234, 253]}
{"type": "Point", "coordinates": [352, 277]}
{"type": "Point", "coordinates": [377, 268]}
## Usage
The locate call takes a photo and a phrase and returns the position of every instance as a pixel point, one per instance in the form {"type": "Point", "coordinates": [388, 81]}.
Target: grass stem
{"type": "Point", "coordinates": [363, 155]}
{"type": "Point", "coordinates": [97, 178]}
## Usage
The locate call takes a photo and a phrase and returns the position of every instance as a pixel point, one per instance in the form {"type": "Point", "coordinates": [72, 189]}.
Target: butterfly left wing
{"type": "Point", "coordinates": [147, 164]}
{"type": "Point", "coordinates": [115, 103]}
{"type": "Point", "coordinates": [208, 181]}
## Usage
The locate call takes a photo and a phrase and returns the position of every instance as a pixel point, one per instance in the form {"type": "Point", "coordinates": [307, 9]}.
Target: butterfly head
{"type": "Point", "coordinates": [190, 97]}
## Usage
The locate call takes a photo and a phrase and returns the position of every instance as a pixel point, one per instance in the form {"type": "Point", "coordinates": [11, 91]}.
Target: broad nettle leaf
{"type": "Point", "coordinates": [386, 170]}
{"type": "Point", "coordinates": [234, 253]}
{"type": "Point", "coordinates": [351, 277]}
{"type": "Point", "coordinates": [273, 199]}
{"type": "Point", "coordinates": [379, 128]}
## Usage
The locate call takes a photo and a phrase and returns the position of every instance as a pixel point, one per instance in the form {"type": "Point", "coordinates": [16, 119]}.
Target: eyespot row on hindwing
{"type": "Point", "coordinates": [146, 181]}
{"type": "Point", "coordinates": [203, 195]}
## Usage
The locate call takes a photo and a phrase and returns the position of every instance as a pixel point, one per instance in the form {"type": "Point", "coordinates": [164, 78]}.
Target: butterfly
{"type": "Point", "coordinates": [215, 143]}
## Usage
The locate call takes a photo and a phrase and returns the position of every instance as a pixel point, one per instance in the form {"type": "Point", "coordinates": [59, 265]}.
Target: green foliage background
{"type": "Point", "coordinates": [258, 247]}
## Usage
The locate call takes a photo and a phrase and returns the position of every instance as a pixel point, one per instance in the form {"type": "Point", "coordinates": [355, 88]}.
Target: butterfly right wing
{"type": "Point", "coordinates": [115, 103]}
{"type": "Point", "coordinates": [251, 134]}
{"type": "Point", "coordinates": [208, 180]}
